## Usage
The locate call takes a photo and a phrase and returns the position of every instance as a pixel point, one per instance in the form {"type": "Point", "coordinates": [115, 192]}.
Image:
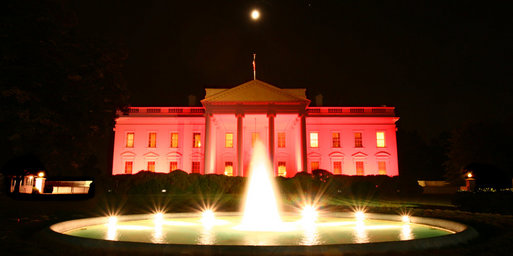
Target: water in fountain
{"type": "Point", "coordinates": [261, 211]}
{"type": "Point", "coordinates": [261, 223]}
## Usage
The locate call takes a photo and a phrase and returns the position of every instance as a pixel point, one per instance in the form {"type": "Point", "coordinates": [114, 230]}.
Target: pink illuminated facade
{"type": "Point", "coordinates": [218, 137]}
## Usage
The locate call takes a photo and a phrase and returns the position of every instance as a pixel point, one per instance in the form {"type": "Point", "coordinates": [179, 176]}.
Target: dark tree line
{"type": "Point", "coordinates": [482, 148]}
{"type": "Point", "coordinates": [485, 149]}
{"type": "Point", "coordinates": [59, 88]}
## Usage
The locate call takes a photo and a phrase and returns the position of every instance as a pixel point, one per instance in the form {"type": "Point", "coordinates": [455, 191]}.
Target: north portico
{"type": "Point", "coordinates": [251, 111]}
{"type": "Point", "coordinates": [343, 140]}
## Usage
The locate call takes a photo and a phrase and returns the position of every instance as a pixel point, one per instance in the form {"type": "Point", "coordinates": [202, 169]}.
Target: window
{"type": "Point", "coordinates": [281, 139]}
{"type": "Point", "coordinates": [196, 140]}
{"type": "Point", "coordinates": [335, 137]}
{"type": "Point", "coordinates": [228, 140]}
{"type": "Point", "coordinates": [314, 165]}
{"type": "Point", "coordinates": [195, 167]}
{"type": "Point", "coordinates": [359, 168]}
{"type": "Point", "coordinates": [382, 168]}
{"type": "Point", "coordinates": [173, 165]}
{"type": "Point", "coordinates": [152, 140]}
{"type": "Point", "coordinates": [228, 168]}
{"type": "Point", "coordinates": [314, 139]}
{"type": "Point", "coordinates": [128, 167]}
{"type": "Point", "coordinates": [380, 139]}
{"type": "Point", "coordinates": [358, 140]}
{"type": "Point", "coordinates": [151, 166]}
{"type": "Point", "coordinates": [282, 169]}
{"type": "Point", "coordinates": [174, 140]}
{"type": "Point", "coordinates": [254, 137]}
{"type": "Point", "coordinates": [130, 140]}
{"type": "Point", "coordinates": [337, 167]}
{"type": "Point", "coordinates": [28, 180]}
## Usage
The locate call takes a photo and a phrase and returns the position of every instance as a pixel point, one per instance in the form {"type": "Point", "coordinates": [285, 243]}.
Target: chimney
{"type": "Point", "coordinates": [192, 100]}
{"type": "Point", "coordinates": [318, 100]}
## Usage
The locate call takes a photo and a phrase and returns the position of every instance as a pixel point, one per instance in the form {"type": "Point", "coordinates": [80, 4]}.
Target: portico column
{"type": "Point", "coordinates": [208, 152]}
{"type": "Point", "coordinates": [271, 116]}
{"type": "Point", "coordinates": [303, 142]}
{"type": "Point", "coordinates": [240, 163]}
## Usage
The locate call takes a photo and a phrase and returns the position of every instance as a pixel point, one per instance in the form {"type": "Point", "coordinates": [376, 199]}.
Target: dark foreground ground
{"type": "Point", "coordinates": [22, 221]}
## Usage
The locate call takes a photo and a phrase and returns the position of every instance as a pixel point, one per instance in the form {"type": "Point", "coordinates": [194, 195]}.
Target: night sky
{"type": "Point", "coordinates": [441, 63]}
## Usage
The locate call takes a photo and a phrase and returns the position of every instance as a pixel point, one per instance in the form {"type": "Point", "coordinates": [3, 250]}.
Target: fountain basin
{"type": "Point", "coordinates": [333, 233]}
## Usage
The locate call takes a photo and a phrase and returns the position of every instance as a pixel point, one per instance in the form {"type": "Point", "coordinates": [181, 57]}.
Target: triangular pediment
{"type": "Point", "coordinates": [359, 155]}
{"type": "Point", "coordinates": [151, 155]}
{"type": "Point", "coordinates": [255, 91]}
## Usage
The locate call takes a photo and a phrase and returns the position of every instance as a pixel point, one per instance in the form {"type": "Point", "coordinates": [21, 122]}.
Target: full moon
{"type": "Point", "coordinates": [255, 14]}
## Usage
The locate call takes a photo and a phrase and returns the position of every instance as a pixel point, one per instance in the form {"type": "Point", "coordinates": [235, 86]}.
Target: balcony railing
{"type": "Point", "coordinates": [312, 111]}
{"type": "Point", "coordinates": [351, 111]}
{"type": "Point", "coordinates": [162, 111]}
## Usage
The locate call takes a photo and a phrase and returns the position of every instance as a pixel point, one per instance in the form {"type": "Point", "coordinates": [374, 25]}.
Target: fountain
{"type": "Point", "coordinates": [260, 205]}
{"type": "Point", "coordinates": [262, 228]}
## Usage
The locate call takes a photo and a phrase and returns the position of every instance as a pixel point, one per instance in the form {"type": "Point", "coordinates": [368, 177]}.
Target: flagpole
{"type": "Point", "coordinates": [254, 66]}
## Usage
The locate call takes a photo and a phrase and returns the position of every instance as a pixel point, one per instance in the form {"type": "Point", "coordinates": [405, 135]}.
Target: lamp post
{"type": "Point", "coordinates": [470, 182]}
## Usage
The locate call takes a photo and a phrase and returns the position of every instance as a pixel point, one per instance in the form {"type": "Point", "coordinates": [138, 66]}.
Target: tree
{"type": "Point", "coordinates": [419, 159]}
{"type": "Point", "coordinates": [59, 88]}
{"type": "Point", "coordinates": [483, 148]}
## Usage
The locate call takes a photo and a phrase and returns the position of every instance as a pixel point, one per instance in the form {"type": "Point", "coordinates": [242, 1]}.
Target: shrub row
{"type": "Point", "coordinates": [318, 182]}
{"type": "Point", "coordinates": [175, 182]}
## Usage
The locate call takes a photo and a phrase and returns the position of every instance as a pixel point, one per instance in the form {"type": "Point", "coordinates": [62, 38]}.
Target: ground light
{"type": "Point", "coordinates": [158, 218]}
{"type": "Point", "coordinates": [359, 215]}
{"type": "Point", "coordinates": [309, 214]}
{"type": "Point", "coordinates": [112, 228]}
{"type": "Point", "coordinates": [208, 218]}
{"type": "Point", "coordinates": [112, 221]}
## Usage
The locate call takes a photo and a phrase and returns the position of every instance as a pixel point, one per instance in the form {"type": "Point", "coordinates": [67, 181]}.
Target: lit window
{"type": "Point", "coordinates": [281, 139]}
{"type": "Point", "coordinates": [314, 165]}
{"type": "Point", "coordinates": [337, 167]}
{"type": "Point", "coordinates": [228, 168]}
{"type": "Point", "coordinates": [174, 140]}
{"type": "Point", "coordinates": [359, 168]}
{"type": "Point", "coordinates": [151, 166]}
{"type": "Point", "coordinates": [228, 140]}
{"type": "Point", "coordinates": [28, 180]}
{"type": "Point", "coordinates": [282, 169]}
{"type": "Point", "coordinates": [173, 165]}
{"type": "Point", "coordinates": [130, 140]}
{"type": "Point", "coordinates": [195, 167]}
{"type": "Point", "coordinates": [314, 139]}
{"type": "Point", "coordinates": [380, 139]}
{"type": "Point", "coordinates": [254, 137]}
{"type": "Point", "coordinates": [358, 140]}
{"type": "Point", "coordinates": [382, 168]}
{"type": "Point", "coordinates": [152, 141]}
{"type": "Point", "coordinates": [335, 139]}
{"type": "Point", "coordinates": [196, 140]}
{"type": "Point", "coordinates": [128, 167]}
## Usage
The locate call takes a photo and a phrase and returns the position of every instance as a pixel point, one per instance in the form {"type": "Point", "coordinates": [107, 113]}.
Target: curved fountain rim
{"type": "Point", "coordinates": [463, 234]}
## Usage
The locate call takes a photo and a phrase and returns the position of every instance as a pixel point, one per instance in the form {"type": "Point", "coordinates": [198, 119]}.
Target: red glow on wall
{"type": "Point", "coordinates": [218, 137]}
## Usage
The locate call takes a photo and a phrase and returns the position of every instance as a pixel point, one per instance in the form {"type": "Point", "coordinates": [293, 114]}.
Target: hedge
{"type": "Point", "coordinates": [319, 181]}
